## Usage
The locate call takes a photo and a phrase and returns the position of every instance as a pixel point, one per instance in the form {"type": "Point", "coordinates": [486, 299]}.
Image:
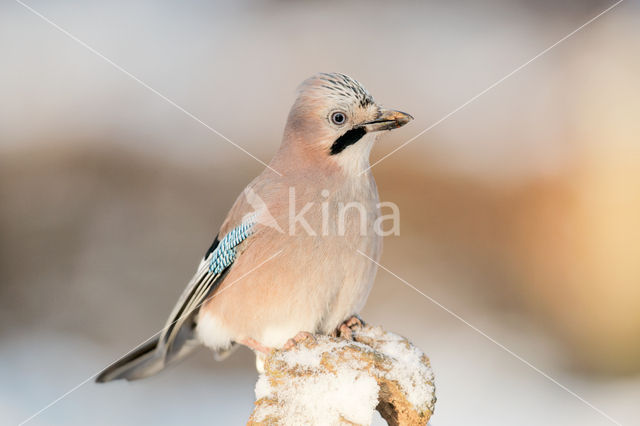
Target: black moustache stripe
{"type": "Point", "coordinates": [349, 138]}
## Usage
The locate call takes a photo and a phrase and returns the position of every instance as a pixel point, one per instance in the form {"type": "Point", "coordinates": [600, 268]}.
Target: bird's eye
{"type": "Point", "coordinates": [338, 118]}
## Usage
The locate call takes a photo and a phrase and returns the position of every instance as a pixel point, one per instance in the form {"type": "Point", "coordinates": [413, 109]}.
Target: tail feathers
{"type": "Point", "coordinates": [146, 360]}
{"type": "Point", "coordinates": [140, 363]}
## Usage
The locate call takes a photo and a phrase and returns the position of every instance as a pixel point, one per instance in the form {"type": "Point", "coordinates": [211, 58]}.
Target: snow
{"type": "Point", "coordinates": [335, 381]}
{"type": "Point", "coordinates": [409, 371]}
{"type": "Point", "coordinates": [322, 399]}
{"type": "Point", "coordinates": [314, 394]}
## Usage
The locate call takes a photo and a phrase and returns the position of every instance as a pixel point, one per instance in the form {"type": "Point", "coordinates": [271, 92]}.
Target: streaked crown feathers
{"type": "Point", "coordinates": [336, 85]}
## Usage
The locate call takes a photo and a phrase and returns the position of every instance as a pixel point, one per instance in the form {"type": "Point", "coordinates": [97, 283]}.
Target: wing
{"type": "Point", "coordinates": [211, 272]}
{"type": "Point", "coordinates": [177, 338]}
{"type": "Point", "coordinates": [181, 322]}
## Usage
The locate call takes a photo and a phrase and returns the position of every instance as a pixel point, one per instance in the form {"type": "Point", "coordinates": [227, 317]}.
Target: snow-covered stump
{"type": "Point", "coordinates": [335, 381]}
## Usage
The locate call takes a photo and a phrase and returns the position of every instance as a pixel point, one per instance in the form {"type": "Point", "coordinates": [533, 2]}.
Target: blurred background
{"type": "Point", "coordinates": [520, 213]}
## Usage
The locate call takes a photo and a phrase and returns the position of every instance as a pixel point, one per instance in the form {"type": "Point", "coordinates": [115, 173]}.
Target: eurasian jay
{"type": "Point", "coordinates": [285, 261]}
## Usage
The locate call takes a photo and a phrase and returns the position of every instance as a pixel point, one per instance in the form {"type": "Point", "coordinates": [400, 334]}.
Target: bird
{"type": "Point", "coordinates": [287, 261]}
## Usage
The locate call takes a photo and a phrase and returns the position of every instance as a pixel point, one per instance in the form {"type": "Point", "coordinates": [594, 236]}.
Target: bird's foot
{"type": "Point", "coordinates": [256, 346]}
{"type": "Point", "coordinates": [346, 329]}
{"type": "Point", "coordinates": [300, 337]}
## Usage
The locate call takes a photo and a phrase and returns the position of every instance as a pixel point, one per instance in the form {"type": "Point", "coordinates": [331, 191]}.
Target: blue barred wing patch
{"type": "Point", "coordinates": [225, 252]}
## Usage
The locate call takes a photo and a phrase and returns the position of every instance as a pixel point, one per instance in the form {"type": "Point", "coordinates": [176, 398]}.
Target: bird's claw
{"type": "Point", "coordinates": [346, 329]}
{"type": "Point", "coordinates": [300, 337]}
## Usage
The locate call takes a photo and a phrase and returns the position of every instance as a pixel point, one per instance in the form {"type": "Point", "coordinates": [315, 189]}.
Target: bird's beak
{"type": "Point", "coordinates": [388, 119]}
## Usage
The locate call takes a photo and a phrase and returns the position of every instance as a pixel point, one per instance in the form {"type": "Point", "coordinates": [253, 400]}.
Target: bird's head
{"type": "Point", "coordinates": [334, 117]}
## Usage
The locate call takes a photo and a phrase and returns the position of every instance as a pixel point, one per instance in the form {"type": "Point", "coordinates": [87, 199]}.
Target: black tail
{"type": "Point", "coordinates": [138, 364]}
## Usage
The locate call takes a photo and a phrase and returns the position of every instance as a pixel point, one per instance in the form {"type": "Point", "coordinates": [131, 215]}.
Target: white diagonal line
{"type": "Point", "coordinates": [500, 345]}
{"type": "Point", "coordinates": [142, 83]}
{"type": "Point", "coordinates": [478, 95]}
{"type": "Point", "coordinates": [70, 391]}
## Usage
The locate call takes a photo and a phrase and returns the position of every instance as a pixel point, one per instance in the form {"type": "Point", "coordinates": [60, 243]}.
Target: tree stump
{"type": "Point", "coordinates": [336, 381]}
